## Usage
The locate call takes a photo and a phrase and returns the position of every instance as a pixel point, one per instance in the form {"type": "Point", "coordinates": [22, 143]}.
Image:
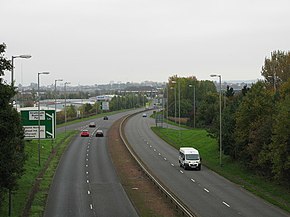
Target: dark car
{"type": "Point", "coordinates": [85, 133]}
{"type": "Point", "coordinates": [92, 124]}
{"type": "Point", "coordinates": [99, 133]}
{"type": "Point", "coordinates": [106, 118]}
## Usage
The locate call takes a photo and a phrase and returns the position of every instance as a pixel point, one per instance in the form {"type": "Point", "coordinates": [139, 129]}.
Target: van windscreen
{"type": "Point", "coordinates": [192, 157]}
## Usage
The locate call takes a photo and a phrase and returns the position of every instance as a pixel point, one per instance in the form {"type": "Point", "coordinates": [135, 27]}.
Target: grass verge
{"type": "Point", "coordinates": [27, 182]}
{"type": "Point", "coordinates": [232, 170]}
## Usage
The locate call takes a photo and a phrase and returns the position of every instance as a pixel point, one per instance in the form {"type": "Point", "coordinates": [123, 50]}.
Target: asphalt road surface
{"type": "Point", "coordinates": [85, 182]}
{"type": "Point", "coordinates": [204, 192]}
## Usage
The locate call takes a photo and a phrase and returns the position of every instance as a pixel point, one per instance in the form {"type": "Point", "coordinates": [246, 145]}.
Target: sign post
{"type": "Point", "coordinates": [30, 124]}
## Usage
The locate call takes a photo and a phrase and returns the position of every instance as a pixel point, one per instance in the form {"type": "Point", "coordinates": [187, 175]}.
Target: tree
{"type": "Point", "coordinates": [280, 147]}
{"type": "Point", "coordinates": [12, 155]}
{"type": "Point", "coordinates": [253, 124]}
{"type": "Point", "coordinates": [276, 69]}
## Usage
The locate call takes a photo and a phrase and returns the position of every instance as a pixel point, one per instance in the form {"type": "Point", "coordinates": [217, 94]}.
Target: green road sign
{"type": "Point", "coordinates": [30, 124]}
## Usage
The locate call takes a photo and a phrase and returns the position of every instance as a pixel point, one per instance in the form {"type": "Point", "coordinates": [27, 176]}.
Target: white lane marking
{"type": "Point", "coordinates": [88, 146]}
{"type": "Point", "coordinates": [150, 146]}
{"type": "Point", "coordinates": [87, 165]}
{"type": "Point", "coordinates": [89, 192]}
{"type": "Point", "coordinates": [165, 158]}
{"type": "Point", "coordinates": [87, 159]}
{"type": "Point", "coordinates": [206, 190]}
{"type": "Point", "coordinates": [87, 154]}
{"type": "Point", "coordinates": [91, 206]}
{"type": "Point", "coordinates": [88, 181]}
{"type": "Point", "coordinates": [159, 154]}
{"type": "Point", "coordinates": [180, 171]}
{"type": "Point", "coordinates": [154, 149]}
{"type": "Point", "coordinates": [88, 150]}
{"type": "Point", "coordinates": [226, 204]}
{"type": "Point", "coordinates": [172, 165]}
{"type": "Point", "coordinates": [192, 180]}
{"type": "Point", "coordinates": [87, 172]}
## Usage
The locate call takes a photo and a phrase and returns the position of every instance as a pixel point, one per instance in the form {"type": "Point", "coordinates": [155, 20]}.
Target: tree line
{"type": "Point", "coordinates": [255, 120]}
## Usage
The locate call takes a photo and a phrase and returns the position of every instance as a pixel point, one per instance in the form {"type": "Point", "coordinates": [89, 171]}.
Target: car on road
{"type": "Point", "coordinates": [92, 124]}
{"type": "Point", "coordinates": [99, 133]}
{"type": "Point", "coordinates": [144, 115]}
{"type": "Point", "coordinates": [85, 133]}
{"type": "Point", "coordinates": [106, 118]}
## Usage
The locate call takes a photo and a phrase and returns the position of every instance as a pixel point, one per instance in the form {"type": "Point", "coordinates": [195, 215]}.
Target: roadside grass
{"type": "Point", "coordinates": [32, 170]}
{"type": "Point", "coordinates": [274, 193]}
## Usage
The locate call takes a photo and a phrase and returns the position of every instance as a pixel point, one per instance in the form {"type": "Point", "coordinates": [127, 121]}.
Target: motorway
{"type": "Point", "coordinates": [85, 182]}
{"type": "Point", "coordinates": [204, 192]}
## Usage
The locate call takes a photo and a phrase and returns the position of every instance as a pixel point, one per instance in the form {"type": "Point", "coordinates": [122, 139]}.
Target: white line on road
{"type": "Point", "coordinates": [87, 159]}
{"type": "Point", "coordinates": [206, 190]}
{"type": "Point", "coordinates": [226, 204]}
{"type": "Point", "coordinates": [180, 171]}
{"type": "Point", "coordinates": [88, 181]}
{"type": "Point", "coordinates": [91, 206]}
{"type": "Point", "coordinates": [87, 172]}
{"type": "Point", "coordinates": [165, 158]}
{"type": "Point", "coordinates": [89, 192]}
{"type": "Point", "coordinates": [154, 149]}
{"type": "Point", "coordinates": [192, 180]}
{"type": "Point", "coordinates": [87, 165]}
{"type": "Point", "coordinates": [172, 165]}
{"type": "Point", "coordinates": [159, 154]}
{"type": "Point", "coordinates": [87, 154]}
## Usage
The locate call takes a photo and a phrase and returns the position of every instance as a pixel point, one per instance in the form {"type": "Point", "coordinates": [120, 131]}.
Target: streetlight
{"type": "Point", "coordinates": [220, 83]}
{"type": "Point", "coordinates": [12, 62]}
{"type": "Point", "coordinates": [174, 82]}
{"type": "Point", "coordinates": [55, 93]}
{"type": "Point", "coordinates": [65, 83]}
{"type": "Point", "coordinates": [193, 104]}
{"type": "Point", "coordinates": [39, 73]}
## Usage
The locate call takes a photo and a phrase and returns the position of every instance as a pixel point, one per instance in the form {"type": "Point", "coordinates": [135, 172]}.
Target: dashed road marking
{"type": "Point", "coordinates": [226, 204]}
{"type": "Point", "coordinates": [180, 171]}
{"type": "Point", "coordinates": [88, 181]}
{"type": "Point", "coordinates": [87, 165]}
{"type": "Point", "coordinates": [165, 158]}
{"type": "Point", "coordinates": [89, 192]}
{"type": "Point", "coordinates": [206, 190]}
{"type": "Point", "coordinates": [172, 165]}
{"type": "Point", "coordinates": [192, 180]}
{"type": "Point", "coordinates": [91, 206]}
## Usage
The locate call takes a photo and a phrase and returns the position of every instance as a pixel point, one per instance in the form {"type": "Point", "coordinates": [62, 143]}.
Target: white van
{"type": "Point", "coordinates": [189, 158]}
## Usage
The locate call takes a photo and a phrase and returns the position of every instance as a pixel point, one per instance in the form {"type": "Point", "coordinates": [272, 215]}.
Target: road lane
{"type": "Point", "coordinates": [85, 182]}
{"type": "Point", "coordinates": [204, 192]}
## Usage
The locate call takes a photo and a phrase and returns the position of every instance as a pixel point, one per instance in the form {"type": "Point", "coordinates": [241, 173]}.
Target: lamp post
{"type": "Point", "coordinates": [174, 82]}
{"type": "Point", "coordinates": [39, 73]}
{"type": "Point", "coordinates": [65, 83]}
{"type": "Point", "coordinates": [12, 62]}
{"type": "Point", "coordinates": [167, 104]}
{"type": "Point", "coordinates": [193, 104]}
{"type": "Point", "coordinates": [55, 93]}
{"type": "Point", "coordinates": [220, 84]}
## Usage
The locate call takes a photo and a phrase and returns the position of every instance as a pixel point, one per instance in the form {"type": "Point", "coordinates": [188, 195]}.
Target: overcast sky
{"type": "Point", "coordinates": [99, 41]}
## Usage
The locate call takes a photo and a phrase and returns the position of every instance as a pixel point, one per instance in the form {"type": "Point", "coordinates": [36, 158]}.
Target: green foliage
{"type": "Point", "coordinates": [253, 124]}
{"type": "Point", "coordinates": [4, 63]}
{"type": "Point", "coordinates": [12, 156]}
{"type": "Point", "coordinates": [276, 69]}
{"type": "Point", "coordinates": [280, 147]}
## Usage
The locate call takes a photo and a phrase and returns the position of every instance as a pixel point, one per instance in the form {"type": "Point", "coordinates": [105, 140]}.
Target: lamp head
{"type": "Point", "coordinates": [43, 73]}
{"type": "Point", "coordinates": [25, 56]}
